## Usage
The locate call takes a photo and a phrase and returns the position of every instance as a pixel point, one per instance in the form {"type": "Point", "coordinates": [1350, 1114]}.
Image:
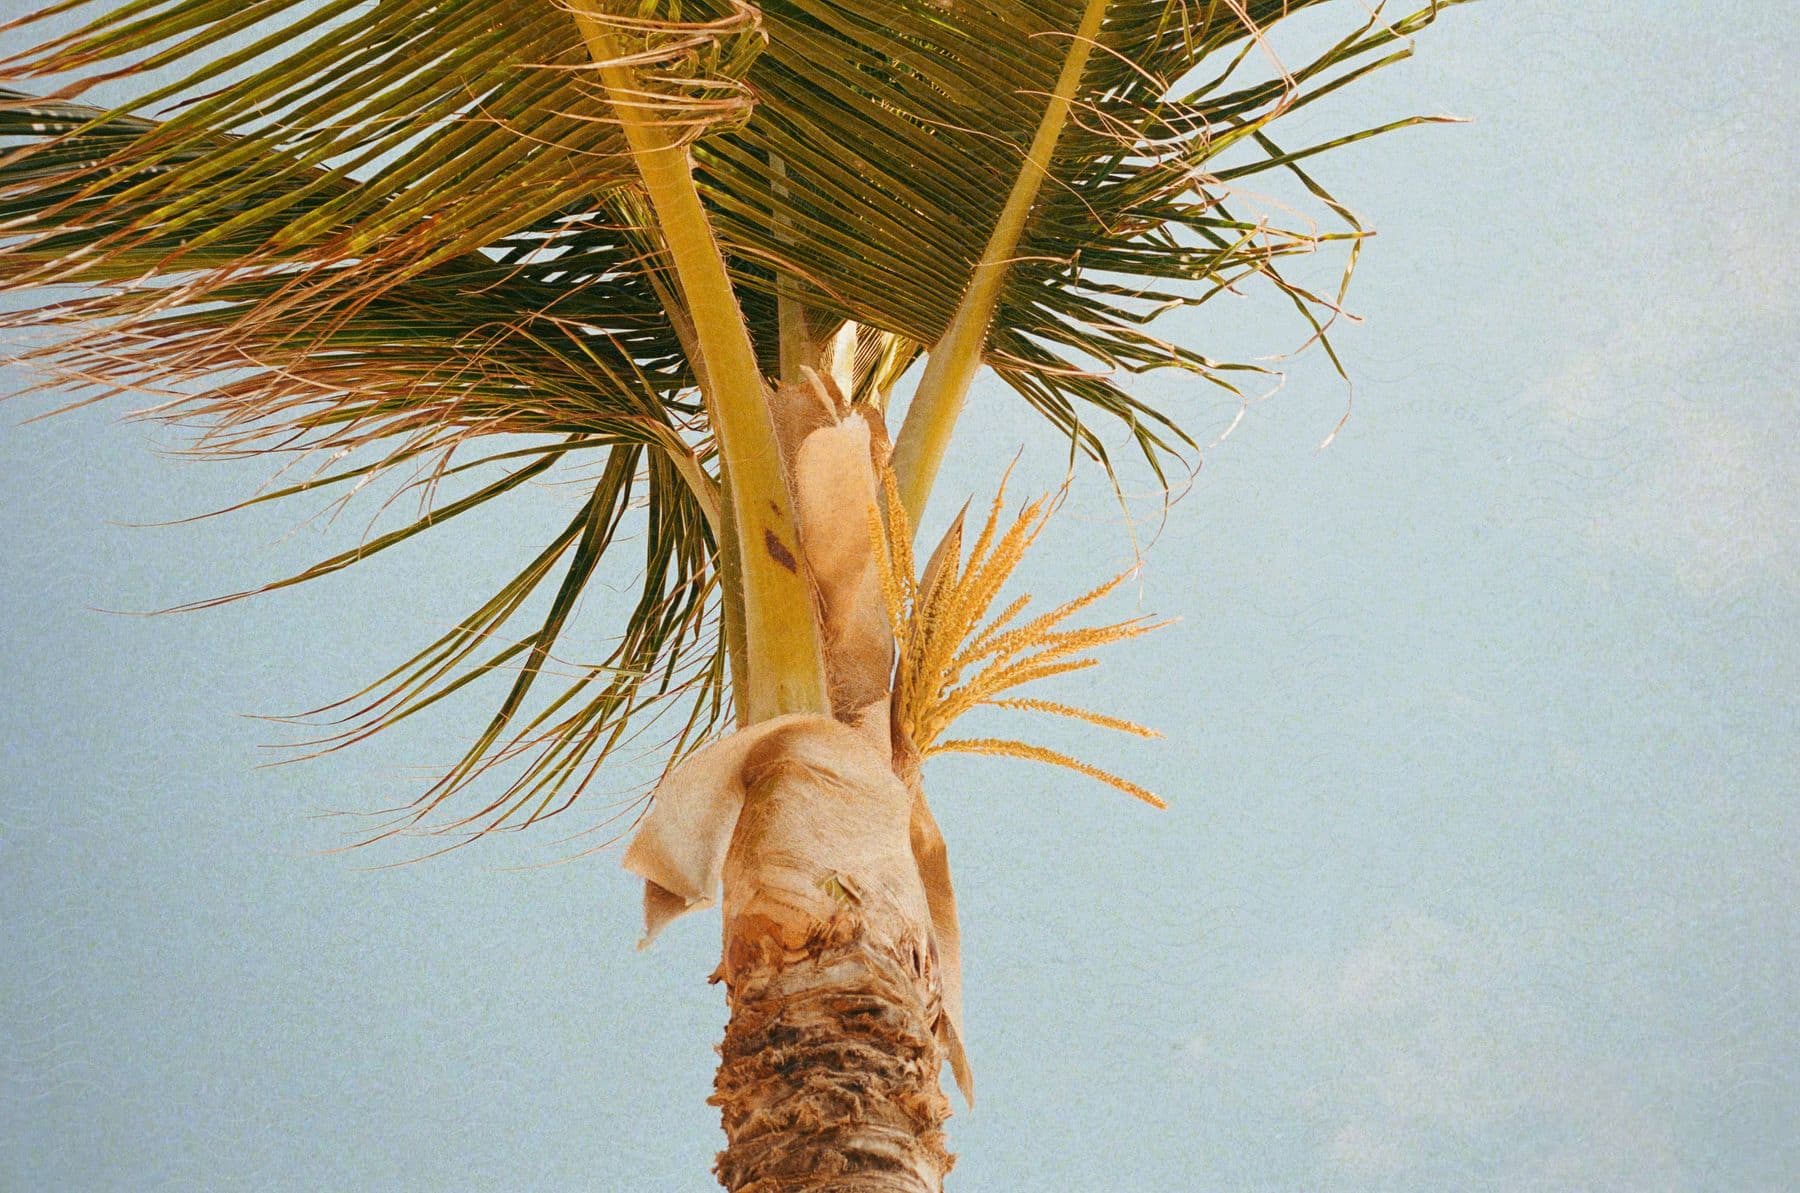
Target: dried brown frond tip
{"type": "Point", "coordinates": [954, 656]}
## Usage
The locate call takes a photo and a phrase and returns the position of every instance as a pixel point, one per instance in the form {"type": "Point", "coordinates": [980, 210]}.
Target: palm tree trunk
{"type": "Point", "coordinates": [829, 1073]}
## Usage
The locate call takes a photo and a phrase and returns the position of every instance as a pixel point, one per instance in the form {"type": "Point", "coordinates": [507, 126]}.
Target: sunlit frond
{"type": "Point", "coordinates": [572, 357]}
{"type": "Point", "coordinates": [901, 124]}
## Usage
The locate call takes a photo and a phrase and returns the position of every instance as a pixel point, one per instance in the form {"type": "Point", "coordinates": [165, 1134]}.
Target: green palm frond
{"type": "Point", "coordinates": [668, 661]}
{"type": "Point", "coordinates": [901, 126]}
{"type": "Point", "coordinates": [458, 119]}
{"type": "Point", "coordinates": [896, 126]}
{"type": "Point", "coordinates": [578, 356]}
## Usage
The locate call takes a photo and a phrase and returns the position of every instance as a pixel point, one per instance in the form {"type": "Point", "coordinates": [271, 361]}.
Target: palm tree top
{"type": "Point", "coordinates": [392, 239]}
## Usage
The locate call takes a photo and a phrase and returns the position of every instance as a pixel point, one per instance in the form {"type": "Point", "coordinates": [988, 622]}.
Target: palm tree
{"type": "Point", "coordinates": [687, 252]}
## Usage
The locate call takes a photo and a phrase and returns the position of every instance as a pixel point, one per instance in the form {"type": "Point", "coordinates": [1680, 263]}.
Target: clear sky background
{"type": "Point", "coordinates": [1483, 743]}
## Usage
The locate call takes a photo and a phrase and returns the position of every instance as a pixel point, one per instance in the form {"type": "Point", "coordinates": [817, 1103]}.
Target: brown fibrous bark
{"type": "Point", "coordinates": [829, 1073]}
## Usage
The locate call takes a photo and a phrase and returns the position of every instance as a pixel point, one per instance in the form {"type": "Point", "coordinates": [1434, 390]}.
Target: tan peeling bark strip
{"type": "Point", "coordinates": [830, 1065]}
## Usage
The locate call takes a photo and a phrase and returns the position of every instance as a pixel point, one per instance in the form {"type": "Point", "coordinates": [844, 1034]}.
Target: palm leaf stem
{"type": "Point", "coordinates": [784, 660]}
{"type": "Point", "coordinates": [957, 356]}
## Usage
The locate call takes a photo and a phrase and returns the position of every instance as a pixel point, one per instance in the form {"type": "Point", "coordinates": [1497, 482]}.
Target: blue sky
{"type": "Point", "coordinates": [1481, 744]}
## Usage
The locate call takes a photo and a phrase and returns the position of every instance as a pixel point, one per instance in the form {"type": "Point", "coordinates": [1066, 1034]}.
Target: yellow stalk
{"type": "Point", "coordinates": [1010, 748]}
{"type": "Point", "coordinates": [785, 665]}
{"type": "Point", "coordinates": [731, 604]}
{"type": "Point", "coordinates": [956, 357]}
{"type": "Point", "coordinates": [1055, 709]}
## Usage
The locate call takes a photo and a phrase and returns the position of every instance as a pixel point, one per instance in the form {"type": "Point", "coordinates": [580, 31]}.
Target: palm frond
{"type": "Point", "coordinates": [460, 118]}
{"type": "Point", "coordinates": [572, 357]}
{"type": "Point", "coordinates": [880, 148]}
{"type": "Point", "coordinates": [900, 127]}
{"type": "Point", "coordinates": [669, 662]}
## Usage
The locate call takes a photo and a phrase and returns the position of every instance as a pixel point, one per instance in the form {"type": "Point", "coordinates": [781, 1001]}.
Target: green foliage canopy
{"type": "Point", "coordinates": [384, 231]}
